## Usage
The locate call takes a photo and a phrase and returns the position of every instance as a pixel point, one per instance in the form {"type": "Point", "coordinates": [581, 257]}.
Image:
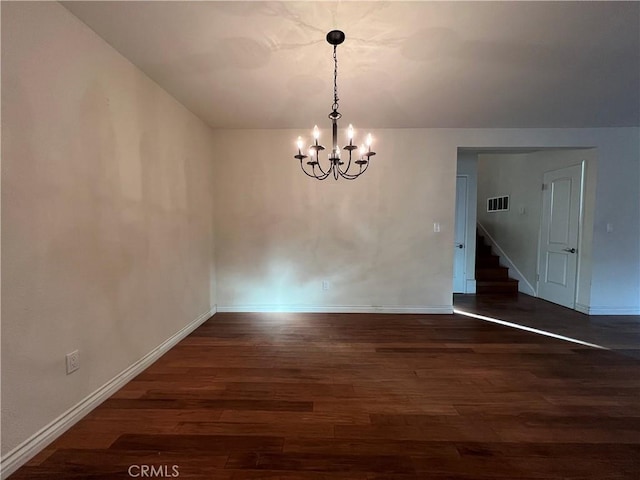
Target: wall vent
{"type": "Point", "coordinates": [498, 204]}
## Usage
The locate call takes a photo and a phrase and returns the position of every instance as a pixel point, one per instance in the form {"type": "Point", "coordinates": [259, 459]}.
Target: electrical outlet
{"type": "Point", "coordinates": [73, 362]}
{"type": "Point", "coordinates": [326, 285]}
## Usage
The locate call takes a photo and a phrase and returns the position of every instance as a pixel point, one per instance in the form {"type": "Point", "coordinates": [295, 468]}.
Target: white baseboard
{"type": "Point", "coordinates": [523, 284]}
{"type": "Point", "coordinates": [607, 310]}
{"type": "Point", "coordinates": [20, 455]}
{"type": "Point", "coordinates": [582, 308]}
{"type": "Point", "coordinates": [437, 309]}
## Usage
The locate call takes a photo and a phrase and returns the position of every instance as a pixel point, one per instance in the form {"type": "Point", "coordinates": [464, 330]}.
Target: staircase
{"type": "Point", "coordinates": [491, 278]}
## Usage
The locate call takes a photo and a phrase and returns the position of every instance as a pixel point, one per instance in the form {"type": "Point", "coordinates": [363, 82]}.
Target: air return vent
{"type": "Point", "coordinates": [498, 204]}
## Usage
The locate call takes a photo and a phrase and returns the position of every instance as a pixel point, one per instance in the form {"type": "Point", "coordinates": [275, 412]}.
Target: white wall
{"type": "Point", "coordinates": [615, 283]}
{"type": "Point", "coordinates": [107, 235]}
{"type": "Point", "coordinates": [279, 233]}
{"type": "Point", "coordinates": [520, 176]}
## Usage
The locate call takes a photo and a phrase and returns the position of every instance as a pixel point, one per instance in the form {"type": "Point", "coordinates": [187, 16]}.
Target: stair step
{"type": "Point", "coordinates": [497, 286]}
{"type": "Point", "coordinates": [491, 277]}
{"type": "Point", "coordinates": [494, 273]}
{"type": "Point", "coordinates": [506, 281]}
{"type": "Point", "coordinates": [488, 261]}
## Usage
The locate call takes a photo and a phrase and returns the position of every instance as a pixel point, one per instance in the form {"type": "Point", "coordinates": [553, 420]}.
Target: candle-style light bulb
{"type": "Point", "coordinates": [350, 132]}
{"type": "Point", "coordinates": [316, 132]}
{"type": "Point", "coordinates": [363, 150]}
{"type": "Point", "coordinates": [369, 140]}
{"type": "Point", "coordinates": [300, 143]}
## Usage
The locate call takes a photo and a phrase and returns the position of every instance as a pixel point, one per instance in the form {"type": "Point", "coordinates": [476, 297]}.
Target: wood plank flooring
{"type": "Point", "coordinates": [363, 397]}
{"type": "Point", "coordinates": [620, 333]}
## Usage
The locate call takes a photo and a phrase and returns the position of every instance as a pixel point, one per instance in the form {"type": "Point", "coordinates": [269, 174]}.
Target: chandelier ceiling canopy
{"type": "Point", "coordinates": [335, 165]}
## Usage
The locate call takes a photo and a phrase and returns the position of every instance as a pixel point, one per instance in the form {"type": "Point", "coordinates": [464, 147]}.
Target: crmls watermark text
{"type": "Point", "coordinates": [153, 471]}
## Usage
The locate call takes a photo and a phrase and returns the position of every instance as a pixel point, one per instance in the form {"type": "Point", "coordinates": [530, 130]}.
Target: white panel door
{"type": "Point", "coordinates": [459, 251]}
{"type": "Point", "coordinates": [561, 200]}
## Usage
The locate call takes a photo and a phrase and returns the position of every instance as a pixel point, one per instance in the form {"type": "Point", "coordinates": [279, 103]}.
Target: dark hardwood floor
{"type": "Point", "coordinates": [366, 397]}
{"type": "Point", "coordinates": [620, 333]}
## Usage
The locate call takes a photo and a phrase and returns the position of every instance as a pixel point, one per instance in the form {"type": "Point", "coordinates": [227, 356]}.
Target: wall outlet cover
{"type": "Point", "coordinates": [73, 361]}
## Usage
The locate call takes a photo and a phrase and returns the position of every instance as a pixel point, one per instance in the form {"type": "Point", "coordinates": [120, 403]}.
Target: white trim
{"type": "Point", "coordinates": [607, 310]}
{"type": "Point", "coordinates": [470, 286]}
{"type": "Point", "coordinates": [582, 308]}
{"type": "Point", "coordinates": [583, 186]}
{"type": "Point", "coordinates": [438, 309]}
{"type": "Point", "coordinates": [21, 454]}
{"type": "Point", "coordinates": [523, 284]}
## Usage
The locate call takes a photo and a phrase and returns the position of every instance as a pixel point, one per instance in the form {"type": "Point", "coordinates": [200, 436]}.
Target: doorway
{"type": "Point", "coordinates": [516, 233]}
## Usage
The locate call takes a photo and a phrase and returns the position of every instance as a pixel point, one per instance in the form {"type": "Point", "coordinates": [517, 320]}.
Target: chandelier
{"type": "Point", "coordinates": [335, 167]}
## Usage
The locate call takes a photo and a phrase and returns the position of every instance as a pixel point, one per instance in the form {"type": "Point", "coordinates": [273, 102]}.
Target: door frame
{"type": "Point", "coordinates": [583, 167]}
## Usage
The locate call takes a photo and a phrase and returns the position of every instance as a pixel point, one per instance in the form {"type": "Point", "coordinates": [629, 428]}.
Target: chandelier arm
{"type": "Point", "coordinates": [353, 176]}
{"type": "Point", "coordinates": [347, 175]}
{"type": "Point", "coordinates": [350, 177]}
{"type": "Point", "coordinates": [348, 165]}
{"type": "Point", "coordinates": [323, 174]}
{"type": "Point", "coordinates": [320, 167]}
{"type": "Point", "coordinates": [305, 171]}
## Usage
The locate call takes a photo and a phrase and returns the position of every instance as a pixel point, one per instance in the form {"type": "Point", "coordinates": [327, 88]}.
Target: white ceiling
{"type": "Point", "coordinates": [403, 64]}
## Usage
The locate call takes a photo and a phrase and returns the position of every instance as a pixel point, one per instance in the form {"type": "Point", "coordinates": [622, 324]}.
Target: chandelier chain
{"type": "Point", "coordinates": [335, 79]}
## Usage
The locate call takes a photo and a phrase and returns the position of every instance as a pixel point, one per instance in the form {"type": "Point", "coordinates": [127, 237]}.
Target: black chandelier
{"type": "Point", "coordinates": [335, 38]}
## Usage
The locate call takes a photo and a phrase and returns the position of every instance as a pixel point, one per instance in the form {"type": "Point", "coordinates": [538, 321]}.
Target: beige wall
{"type": "Point", "coordinates": [107, 236]}
{"type": "Point", "coordinates": [280, 234]}
{"type": "Point", "coordinates": [516, 231]}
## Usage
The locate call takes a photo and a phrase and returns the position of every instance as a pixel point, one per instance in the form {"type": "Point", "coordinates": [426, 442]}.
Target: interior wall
{"type": "Point", "coordinates": [517, 230]}
{"type": "Point", "coordinates": [615, 279]}
{"type": "Point", "coordinates": [107, 215]}
{"type": "Point", "coordinates": [280, 234]}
